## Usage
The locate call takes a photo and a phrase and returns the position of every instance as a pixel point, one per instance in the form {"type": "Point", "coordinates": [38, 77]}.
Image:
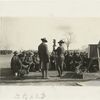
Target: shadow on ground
{"type": "Point", "coordinates": [6, 74]}
{"type": "Point", "coordinates": [72, 75]}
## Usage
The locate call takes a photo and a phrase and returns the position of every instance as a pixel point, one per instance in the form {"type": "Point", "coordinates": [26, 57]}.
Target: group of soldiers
{"type": "Point", "coordinates": [59, 60]}
{"type": "Point", "coordinates": [24, 62]}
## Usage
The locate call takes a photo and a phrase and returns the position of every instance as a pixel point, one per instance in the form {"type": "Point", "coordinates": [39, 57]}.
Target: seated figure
{"type": "Point", "coordinates": [15, 64]}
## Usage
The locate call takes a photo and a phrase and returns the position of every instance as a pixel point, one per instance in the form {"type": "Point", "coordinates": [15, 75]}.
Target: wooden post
{"type": "Point", "coordinates": [98, 52]}
{"type": "Point", "coordinates": [98, 57]}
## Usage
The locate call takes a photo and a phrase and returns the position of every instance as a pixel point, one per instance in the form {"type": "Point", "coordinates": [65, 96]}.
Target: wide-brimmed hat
{"type": "Point", "coordinates": [61, 41]}
{"type": "Point", "coordinates": [44, 39]}
{"type": "Point", "coordinates": [23, 52]}
{"type": "Point", "coordinates": [15, 52]}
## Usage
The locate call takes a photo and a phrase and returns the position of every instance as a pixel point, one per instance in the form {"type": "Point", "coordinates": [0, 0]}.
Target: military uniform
{"type": "Point", "coordinates": [44, 57]}
{"type": "Point", "coordinates": [15, 63]}
{"type": "Point", "coordinates": [36, 62]}
{"type": "Point", "coordinates": [60, 58]}
{"type": "Point", "coordinates": [67, 61]}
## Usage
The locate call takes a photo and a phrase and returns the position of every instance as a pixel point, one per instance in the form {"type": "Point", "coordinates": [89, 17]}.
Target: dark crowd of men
{"type": "Point", "coordinates": [4, 52]}
{"type": "Point", "coordinates": [27, 61]}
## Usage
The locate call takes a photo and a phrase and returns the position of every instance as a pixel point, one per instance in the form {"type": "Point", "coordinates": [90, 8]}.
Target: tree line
{"type": "Point", "coordinates": [5, 52]}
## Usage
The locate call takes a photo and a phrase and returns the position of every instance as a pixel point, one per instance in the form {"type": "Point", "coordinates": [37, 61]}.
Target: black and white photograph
{"type": "Point", "coordinates": [49, 49]}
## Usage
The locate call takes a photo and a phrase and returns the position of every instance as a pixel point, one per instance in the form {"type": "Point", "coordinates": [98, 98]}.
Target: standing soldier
{"type": "Point", "coordinates": [60, 58]}
{"type": "Point", "coordinates": [44, 57]}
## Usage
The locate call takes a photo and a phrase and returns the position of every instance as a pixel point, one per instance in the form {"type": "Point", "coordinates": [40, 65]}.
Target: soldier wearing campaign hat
{"type": "Point", "coordinates": [60, 57]}
{"type": "Point", "coordinates": [44, 57]}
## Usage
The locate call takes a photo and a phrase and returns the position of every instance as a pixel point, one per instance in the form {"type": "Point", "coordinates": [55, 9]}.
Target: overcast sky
{"type": "Point", "coordinates": [26, 32]}
{"type": "Point", "coordinates": [50, 19]}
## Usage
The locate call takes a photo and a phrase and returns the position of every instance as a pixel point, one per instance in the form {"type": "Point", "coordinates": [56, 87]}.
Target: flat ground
{"type": "Point", "coordinates": [34, 78]}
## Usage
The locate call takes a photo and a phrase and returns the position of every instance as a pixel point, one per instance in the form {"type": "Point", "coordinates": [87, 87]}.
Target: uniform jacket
{"type": "Point", "coordinates": [60, 51]}
{"type": "Point", "coordinates": [60, 54]}
{"type": "Point", "coordinates": [43, 52]}
{"type": "Point", "coordinates": [15, 63]}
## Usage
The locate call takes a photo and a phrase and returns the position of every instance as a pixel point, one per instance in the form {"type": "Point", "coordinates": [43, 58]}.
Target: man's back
{"type": "Point", "coordinates": [14, 61]}
{"type": "Point", "coordinates": [43, 52]}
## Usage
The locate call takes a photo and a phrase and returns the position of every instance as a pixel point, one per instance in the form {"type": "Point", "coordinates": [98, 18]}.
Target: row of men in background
{"type": "Point", "coordinates": [76, 60]}
{"type": "Point", "coordinates": [58, 60]}
{"type": "Point", "coordinates": [25, 62]}
{"type": "Point", "coordinates": [72, 60]}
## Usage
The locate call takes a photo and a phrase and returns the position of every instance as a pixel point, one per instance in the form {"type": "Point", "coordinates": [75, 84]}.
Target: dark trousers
{"type": "Point", "coordinates": [60, 63]}
{"type": "Point", "coordinates": [44, 69]}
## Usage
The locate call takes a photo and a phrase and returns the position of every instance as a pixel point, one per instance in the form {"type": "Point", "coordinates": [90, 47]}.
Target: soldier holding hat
{"type": "Point", "coordinates": [60, 57]}
{"type": "Point", "coordinates": [44, 57]}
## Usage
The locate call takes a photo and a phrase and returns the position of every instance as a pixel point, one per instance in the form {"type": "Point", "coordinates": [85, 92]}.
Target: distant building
{"type": "Point", "coordinates": [92, 50]}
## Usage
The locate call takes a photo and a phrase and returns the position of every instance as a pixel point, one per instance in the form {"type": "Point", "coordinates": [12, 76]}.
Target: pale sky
{"type": "Point", "coordinates": [50, 19]}
{"type": "Point", "coordinates": [26, 32]}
